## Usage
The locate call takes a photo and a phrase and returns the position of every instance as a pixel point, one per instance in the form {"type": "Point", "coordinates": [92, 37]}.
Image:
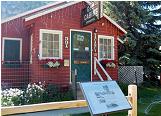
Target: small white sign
{"type": "Point", "coordinates": [86, 48]}
{"type": "Point", "coordinates": [104, 97]}
{"type": "Point", "coordinates": [80, 38]}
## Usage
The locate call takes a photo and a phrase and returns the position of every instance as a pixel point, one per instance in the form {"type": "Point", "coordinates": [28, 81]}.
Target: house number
{"type": "Point", "coordinates": [95, 44]}
{"type": "Point", "coordinates": [66, 42]}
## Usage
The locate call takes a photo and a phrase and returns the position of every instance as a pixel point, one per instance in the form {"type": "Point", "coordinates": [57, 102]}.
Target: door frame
{"type": "Point", "coordinates": [71, 49]}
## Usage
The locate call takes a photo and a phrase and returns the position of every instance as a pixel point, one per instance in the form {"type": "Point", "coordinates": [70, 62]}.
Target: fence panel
{"type": "Point", "coordinates": [15, 74]}
{"type": "Point", "coordinates": [131, 74]}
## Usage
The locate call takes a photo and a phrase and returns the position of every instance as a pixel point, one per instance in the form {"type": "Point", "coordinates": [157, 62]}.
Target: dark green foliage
{"type": "Point", "coordinates": [124, 88]}
{"type": "Point", "coordinates": [35, 94]}
{"type": "Point", "coordinates": [56, 93]}
{"type": "Point", "coordinates": [140, 19]}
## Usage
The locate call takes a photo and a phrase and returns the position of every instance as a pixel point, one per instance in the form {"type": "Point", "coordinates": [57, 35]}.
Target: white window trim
{"type": "Point", "coordinates": [10, 38]}
{"type": "Point", "coordinates": [60, 43]}
{"type": "Point", "coordinates": [113, 49]}
{"type": "Point", "coordinates": [31, 40]}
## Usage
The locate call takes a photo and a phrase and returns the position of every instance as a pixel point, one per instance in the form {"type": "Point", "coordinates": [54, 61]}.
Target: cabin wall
{"type": "Point", "coordinates": [17, 75]}
{"type": "Point", "coordinates": [64, 20]}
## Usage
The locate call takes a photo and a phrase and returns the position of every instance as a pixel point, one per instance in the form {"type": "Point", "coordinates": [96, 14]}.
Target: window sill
{"type": "Point", "coordinates": [50, 58]}
{"type": "Point", "coordinates": [12, 64]}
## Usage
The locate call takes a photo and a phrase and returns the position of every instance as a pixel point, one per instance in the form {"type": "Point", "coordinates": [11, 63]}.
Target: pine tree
{"type": "Point", "coordinates": [144, 33]}
{"type": "Point", "coordinates": [152, 37]}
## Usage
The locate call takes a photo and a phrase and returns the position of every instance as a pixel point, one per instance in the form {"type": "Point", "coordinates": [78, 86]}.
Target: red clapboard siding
{"type": "Point", "coordinates": [64, 20]}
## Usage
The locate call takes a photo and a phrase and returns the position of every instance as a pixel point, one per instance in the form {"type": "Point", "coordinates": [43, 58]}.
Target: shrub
{"type": "Point", "coordinates": [34, 93]}
{"type": "Point", "coordinates": [11, 97]}
{"type": "Point", "coordinates": [55, 93]}
{"type": "Point", "coordinates": [124, 88]}
{"type": "Point", "coordinates": [52, 93]}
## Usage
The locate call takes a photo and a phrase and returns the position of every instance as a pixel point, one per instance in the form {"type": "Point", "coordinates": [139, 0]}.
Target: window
{"type": "Point", "coordinates": [51, 44]}
{"type": "Point", "coordinates": [12, 48]}
{"type": "Point", "coordinates": [106, 47]}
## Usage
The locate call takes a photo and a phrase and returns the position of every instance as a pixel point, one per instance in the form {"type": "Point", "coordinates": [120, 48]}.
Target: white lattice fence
{"type": "Point", "coordinates": [131, 74]}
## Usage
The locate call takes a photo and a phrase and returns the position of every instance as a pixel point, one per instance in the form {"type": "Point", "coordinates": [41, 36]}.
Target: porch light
{"type": "Point", "coordinates": [95, 30]}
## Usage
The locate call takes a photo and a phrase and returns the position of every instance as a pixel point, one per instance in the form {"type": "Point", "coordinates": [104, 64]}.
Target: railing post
{"type": "Point", "coordinates": [94, 66]}
{"type": "Point", "coordinates": [75, 76]}
{"type": "Point", "coordinates": [132, 93]}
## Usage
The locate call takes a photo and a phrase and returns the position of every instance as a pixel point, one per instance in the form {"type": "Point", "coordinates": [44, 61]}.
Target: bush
{"type": "Point", "coordinates": [34, 93]}
{"type": "Point", "coordinates": [124, 88]}
{"type": "Point", "coordinates": [11, 97]}
{"type": "Point", "coordinates": [54, 93]}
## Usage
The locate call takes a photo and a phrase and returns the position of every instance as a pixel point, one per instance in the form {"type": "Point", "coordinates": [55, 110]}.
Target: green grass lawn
{"type": "Point", "coordinates": [146, 95]}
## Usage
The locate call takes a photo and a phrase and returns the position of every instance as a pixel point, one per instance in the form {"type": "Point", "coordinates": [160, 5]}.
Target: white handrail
{"type": "Point", "coordinates": [96, 71]}
{"type": "Point", "coordinates": [99, 75]}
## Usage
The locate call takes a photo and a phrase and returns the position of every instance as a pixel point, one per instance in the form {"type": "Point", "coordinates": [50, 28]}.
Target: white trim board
{"type": "Point", "coordinates": [29, 12]}
{"type": "Point", "coordinates": [70, 49]}
{"type": "Point", "coordinates": [9, 38]}
{"type": "Point", "coordinates": [120, 40]}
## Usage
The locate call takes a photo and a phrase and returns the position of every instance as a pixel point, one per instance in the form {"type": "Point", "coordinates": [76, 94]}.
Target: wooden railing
{"type": "Point", "coordinates": [132, 98]}
{"type": "Point", "coordinates": [97, 72]}
{"type": "Point", "coordinates": [43, 107]}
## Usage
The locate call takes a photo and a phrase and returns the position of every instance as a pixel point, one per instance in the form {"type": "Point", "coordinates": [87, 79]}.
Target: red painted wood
{"type": "Point", "coordinates": [64, 20]}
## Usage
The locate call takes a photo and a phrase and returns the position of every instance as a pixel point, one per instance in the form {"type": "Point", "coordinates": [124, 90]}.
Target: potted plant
{"type": "Point", "coordinates": [52, 63]}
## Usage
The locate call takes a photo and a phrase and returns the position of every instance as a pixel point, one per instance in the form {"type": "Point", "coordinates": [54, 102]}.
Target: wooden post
{"type": "Point", "coordinates": [132, 93]}
{"type": "Point", "coordinates": [94, 66]}
{"type": "Point", "coordinates": [76, 76]}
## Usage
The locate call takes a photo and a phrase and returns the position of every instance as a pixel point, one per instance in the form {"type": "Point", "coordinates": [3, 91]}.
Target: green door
{"type": "Point", "coordinates": [81, 55]}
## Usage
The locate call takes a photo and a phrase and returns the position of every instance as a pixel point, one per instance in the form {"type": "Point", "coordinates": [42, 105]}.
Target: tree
{"type": "Point", "coordinates": [139, 19]}
{"type": "Point", "coordinates": [152, 37]}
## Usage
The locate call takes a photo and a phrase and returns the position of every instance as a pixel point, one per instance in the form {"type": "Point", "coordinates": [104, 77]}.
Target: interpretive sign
{"type": "Point", "coordinates": [104, 97]}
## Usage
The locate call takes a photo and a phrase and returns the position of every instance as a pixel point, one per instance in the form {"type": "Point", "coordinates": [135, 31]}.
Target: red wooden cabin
{"type": "Point", "coordinates": [49, 42]}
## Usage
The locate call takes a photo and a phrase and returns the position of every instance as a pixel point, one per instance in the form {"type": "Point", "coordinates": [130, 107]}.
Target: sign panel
{"type": "Point", "coordinates": [91, 13]}
{"type": "Point", "coordinates": [104, 97]}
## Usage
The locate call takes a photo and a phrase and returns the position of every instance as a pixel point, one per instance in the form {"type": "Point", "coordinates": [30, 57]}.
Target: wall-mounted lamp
{"type": "Point", "coordinates": [95, 30]}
